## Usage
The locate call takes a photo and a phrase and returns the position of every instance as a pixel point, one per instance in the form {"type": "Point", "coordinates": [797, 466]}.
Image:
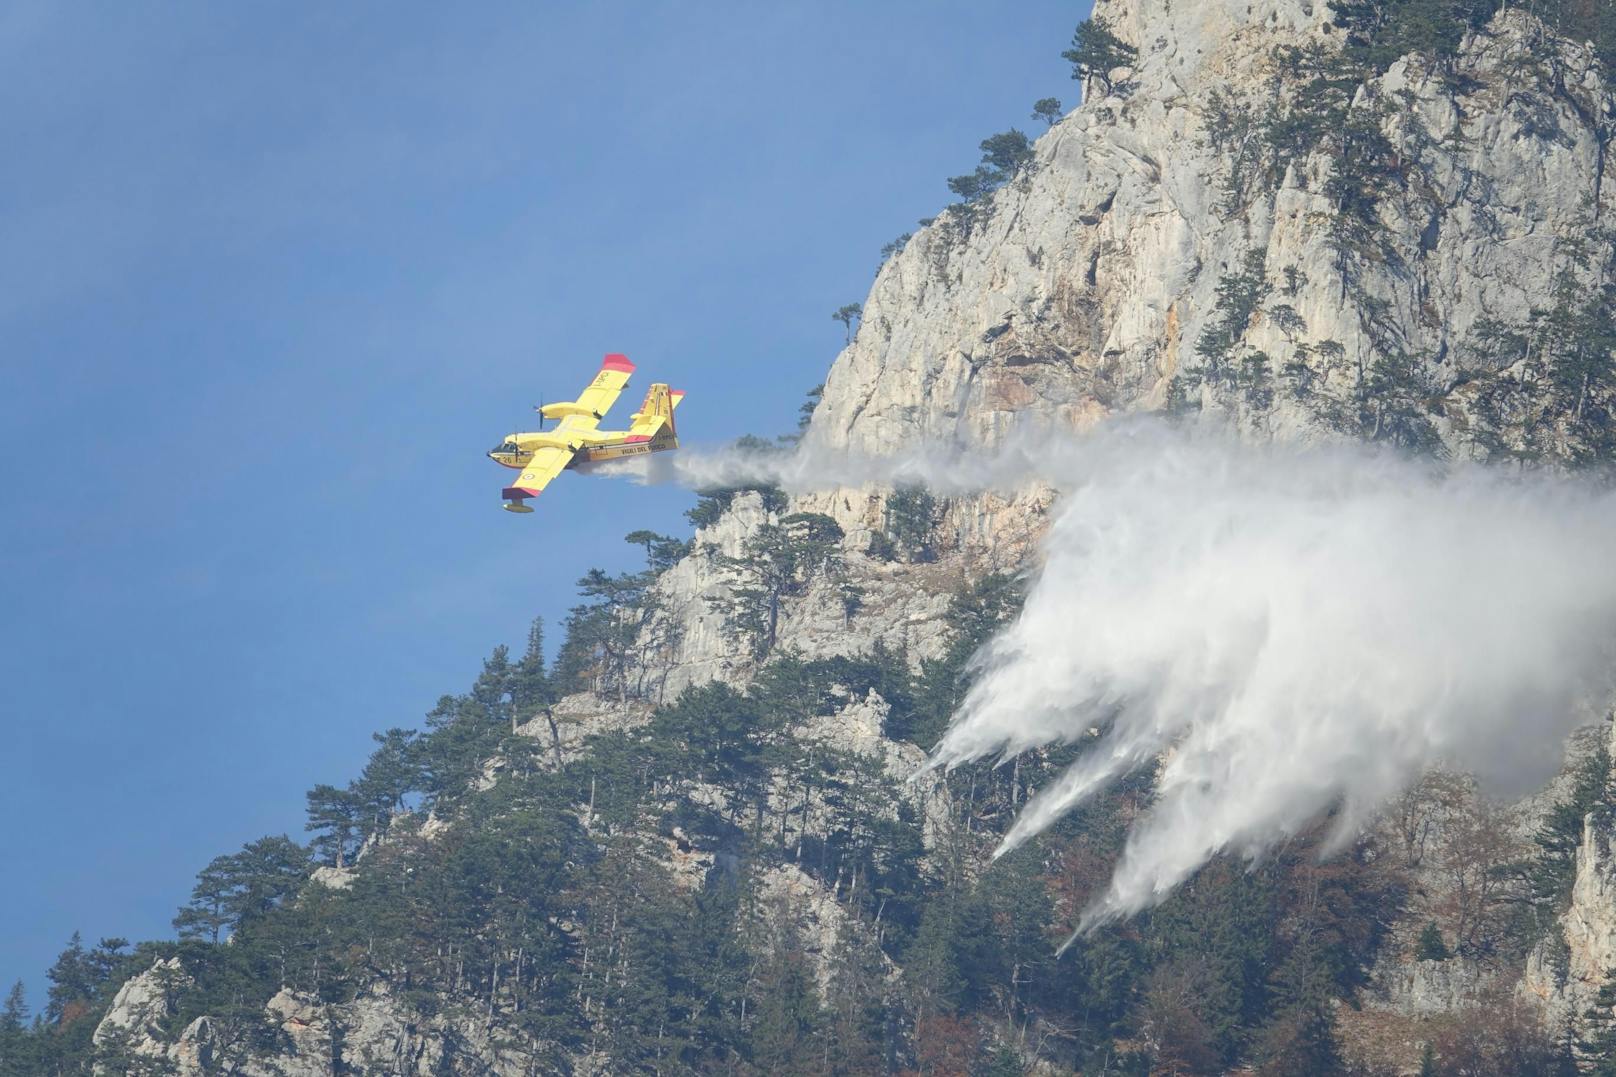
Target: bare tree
{"type": "Point", "coordinates": [1477, 848]}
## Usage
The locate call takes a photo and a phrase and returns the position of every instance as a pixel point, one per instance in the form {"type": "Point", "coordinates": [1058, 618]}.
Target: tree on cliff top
{"type": "Point", "coordinates": [1096, 51]}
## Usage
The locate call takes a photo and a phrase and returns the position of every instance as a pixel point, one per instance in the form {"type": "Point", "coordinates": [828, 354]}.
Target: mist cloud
{"type": "Point", "coordinates": [1289, 632]}
{"type": "Point", "coordinates": [1293, 632]}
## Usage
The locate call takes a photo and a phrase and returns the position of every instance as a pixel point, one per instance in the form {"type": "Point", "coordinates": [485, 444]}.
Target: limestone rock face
{"type": "Point", "coordinates": [1590, 924]}
{"type": "Point", "coordinates": [903, 607]}
{"type": "Point", "coordinates": [792, 898]}
{"type": "Point", "coordinates": [856, 730]}
{"type": "Point", "coordinates": [1565, 980]}
{"type": "Point", "coordinates": [378, 1034]}
{"type": "Point", "coordinates": [134, 1025]}
{"type": "Point", "coordinates": [1082, 288]}
{"type": "Point", "coordinates": [1423, 988]}
{"type": "Point", "coordinates": [703, 651]}
{"type": "Point", "coordinates": [572, 721]}
{"type": "Point", "coordinates": [375, 1033]}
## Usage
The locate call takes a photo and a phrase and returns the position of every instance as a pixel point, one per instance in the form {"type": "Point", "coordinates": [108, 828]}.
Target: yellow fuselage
{"type": "Point", "coordinates": [620, 447]}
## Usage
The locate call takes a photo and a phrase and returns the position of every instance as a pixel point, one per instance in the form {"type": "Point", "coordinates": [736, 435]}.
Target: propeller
{"type": "Point", "coordinates": [540, 410]}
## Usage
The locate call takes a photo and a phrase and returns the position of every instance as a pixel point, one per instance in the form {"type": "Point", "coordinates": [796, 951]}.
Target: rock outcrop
{"type": "Point", "coordinates": [1085, 286]}
{"type": "Point", "coordinates": [374, 1033]}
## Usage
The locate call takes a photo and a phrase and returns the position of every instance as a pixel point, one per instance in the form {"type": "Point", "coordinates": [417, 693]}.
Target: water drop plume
{"type": "Point", "coordinates": [1281, 632]}
{"type": "Point", "coordinates": [1292, 633]}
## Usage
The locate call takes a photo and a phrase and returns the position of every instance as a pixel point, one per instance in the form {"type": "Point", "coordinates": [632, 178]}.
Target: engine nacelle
{"type": "Point", "coordinates": [567, 408]}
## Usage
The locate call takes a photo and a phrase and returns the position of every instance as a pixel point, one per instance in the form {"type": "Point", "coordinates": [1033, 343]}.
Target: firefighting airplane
{"type": "Point", "coordinates": [575, 440]}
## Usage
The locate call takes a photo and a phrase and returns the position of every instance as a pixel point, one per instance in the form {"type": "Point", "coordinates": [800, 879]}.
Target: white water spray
{"type": "Point", "coordinates": [1291, 631]}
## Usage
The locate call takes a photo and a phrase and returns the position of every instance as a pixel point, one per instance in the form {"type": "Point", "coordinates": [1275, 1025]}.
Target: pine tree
{"type": "Point", "coordinates": [15, 1043]}
{"type": "Point", "coordinates": [1004, 155]}
{"type": "Point", "coordinates": [603, 633]}
{"type": "Point", "coordinates": [911, 522]}
{"type": "Point", "coordinates": [1300, 1041]}
{"type": "Point", "coordinates": [533, 691]}
{"type": "Point", "coordinates": [1551, 870]}
{"type": "Point", "coordinates": [847, 315]}
{"type": "Point", "coordinates": [661, 552]}
{"type": "Point", "coordinates": [236, 889]}
{"type": "Point", "coordinates": [855, 1016]}
{"type": "Point", "coordinates": [932, 962]}
{"type": "Point", "coordinates": [805, 413]}
{"type": "Point", "coordinates": [393, 772]}
{"type": "Point", "coordinates": [1096, 50]}
{"type": "Point", "coordinates": [73, 983]}
{"type": "Point", "coordinates": [778, 562]}
{"type": "Point", "coordinates": [14, 1014]}
{"type": "Point", "coordinates": [1430, 946]}
{"type": "Point", "coordinates": [1598, 1044]}
{"type": "Point", "coordinates": [786, 1017]}
{"type": "Point", "coordinates": [334, 819]}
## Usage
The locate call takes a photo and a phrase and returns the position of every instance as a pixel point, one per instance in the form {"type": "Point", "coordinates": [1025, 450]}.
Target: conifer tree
{"type": "Point", "coordinates": [606, 633]}
{"type": "Point", "coordinates": [911, 522]}
{"type": "Point", "coordinates": [661, 551]}
{"type": "Point", "coordinates": [786, 1017]}
{"type": "Point", "coordinates": [531, 689]}
{"type": "Point", "coordinates": [1430, 946]}
{"type": "Point", "coordinates": [847, 315]}
{"type": "Point", "coordinates": [1598, 1044]}
{"type": "Point", "coordinates": [14, 1013]}
{"type": "Point", "coordinates": [390, 776]}
{"type": "Point", "coordinates": [334, 818]}
{"type": "Point", "coordinates": [1300, 1040]}
{"type": "Point", "coordinates": [778, 562]}
{"type": "Point", "coordinates": [72, 983]}
{"type": "Point", "coordinates": [1005, 154]}
{"type": "Point", "coordinates": [15, 1047]}
{"type": "Point", "coordinates": [1096, 50]}
{"type": "Point", "coordinates": [241, 887]}
{"type": "Point", "coordinates": [805, 413]}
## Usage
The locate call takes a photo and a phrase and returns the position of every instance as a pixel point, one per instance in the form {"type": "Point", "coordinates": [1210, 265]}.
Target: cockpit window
{"type": "Point", "coordinates": [504, 447]}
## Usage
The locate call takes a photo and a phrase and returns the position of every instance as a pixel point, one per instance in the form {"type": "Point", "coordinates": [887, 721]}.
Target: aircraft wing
{"type": "Point", "coordinates": [602, 393]}
{"type": "Point", "coordinates": [546, 464]}
{"type": "Point", "coordinates": [577, 417]}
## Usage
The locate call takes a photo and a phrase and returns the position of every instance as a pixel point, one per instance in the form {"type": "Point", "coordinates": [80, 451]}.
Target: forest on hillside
{"type": "Point", "coordinates": [478, 872]}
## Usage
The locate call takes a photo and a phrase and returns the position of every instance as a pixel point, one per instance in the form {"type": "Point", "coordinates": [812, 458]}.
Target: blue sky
{"type": "Point", "coordinates": [276, 276]}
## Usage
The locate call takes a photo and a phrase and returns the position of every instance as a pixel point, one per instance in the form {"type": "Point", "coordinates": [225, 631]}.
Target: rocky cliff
{"type": "Point", "coordinates": [1174, 244]}
{"type": "Point", "coordinates": [1089, 285]}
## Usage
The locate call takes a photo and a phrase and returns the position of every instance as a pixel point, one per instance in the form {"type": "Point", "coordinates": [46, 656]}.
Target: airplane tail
{"type": "Point", "coordinates": [675, 397]}
{"type": "Point", "coordinates": [655, 417]}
